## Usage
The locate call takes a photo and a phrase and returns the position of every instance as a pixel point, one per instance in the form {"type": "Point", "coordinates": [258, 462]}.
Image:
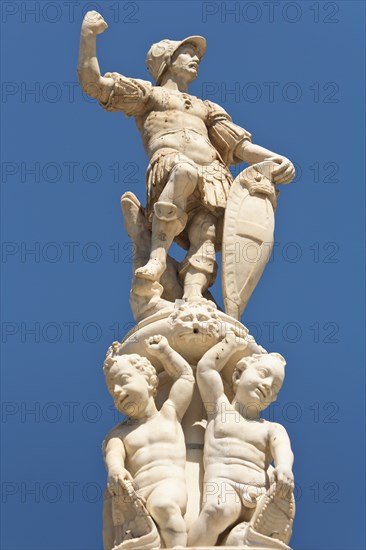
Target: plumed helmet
{"type": "Point", "coordinates": [159, 55]}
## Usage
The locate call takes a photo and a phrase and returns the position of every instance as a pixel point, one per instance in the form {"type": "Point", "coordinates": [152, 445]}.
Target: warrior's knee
{"type": "Point", "coordinates": [169, 212]}
{"type": "Point", "coordinates": [185, 170]}
{"type": "Point", "coordinates": [187, 176]}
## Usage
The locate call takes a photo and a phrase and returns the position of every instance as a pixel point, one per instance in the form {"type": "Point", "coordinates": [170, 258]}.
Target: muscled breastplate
{"type": "Point", "coordinates": [177, 121]}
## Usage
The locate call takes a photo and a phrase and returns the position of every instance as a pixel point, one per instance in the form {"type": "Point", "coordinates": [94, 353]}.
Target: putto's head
{"type": "Point", "coordinates": [257, 379]}
{"type": "Point", "coordinates": [131, 381]}
{"type": "Point", "coordinates": [176, 58]}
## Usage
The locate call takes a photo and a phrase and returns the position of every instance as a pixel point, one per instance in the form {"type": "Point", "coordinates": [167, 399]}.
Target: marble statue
{"type": "Point", "coordinates": [190, 466]}
{"type": "Point", "coordinates": [239, 445]}
{"type": "Point", "coordinates": [149, 450]}
{"type": "Point", "coordinates": [190, 144]}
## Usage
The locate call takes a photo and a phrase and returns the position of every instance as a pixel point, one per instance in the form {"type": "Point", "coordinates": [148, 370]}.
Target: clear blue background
{"type": "Point", "coordinates": [311, 293]}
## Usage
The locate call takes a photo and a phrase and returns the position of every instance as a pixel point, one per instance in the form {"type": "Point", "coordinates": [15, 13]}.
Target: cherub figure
{"type": "Point", "coordinates": [149, 447]}
{"type": "Point", "coordinates": [239, 445]}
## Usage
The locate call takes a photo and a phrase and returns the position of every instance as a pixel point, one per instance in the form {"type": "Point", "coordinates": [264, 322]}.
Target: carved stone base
{"type": "Point", "coordinates": [191, 339]}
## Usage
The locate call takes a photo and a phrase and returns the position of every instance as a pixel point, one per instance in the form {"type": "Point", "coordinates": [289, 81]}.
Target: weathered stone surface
{"type": "Point", "coordinates": [191, 466]}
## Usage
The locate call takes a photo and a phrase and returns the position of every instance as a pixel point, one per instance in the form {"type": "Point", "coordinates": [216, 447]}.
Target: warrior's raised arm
{"type": "Point", "coordinates": [91, 81]}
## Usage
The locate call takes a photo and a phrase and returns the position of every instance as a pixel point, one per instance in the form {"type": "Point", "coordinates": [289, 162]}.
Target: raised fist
{"type": "Point", "coordinates": [94, 21]}
{"type": "Point", "coordinates": [157, 344]}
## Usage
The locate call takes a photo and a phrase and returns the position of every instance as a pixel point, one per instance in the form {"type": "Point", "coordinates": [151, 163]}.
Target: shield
{"type": "Point", "coordinates": [247, 236]}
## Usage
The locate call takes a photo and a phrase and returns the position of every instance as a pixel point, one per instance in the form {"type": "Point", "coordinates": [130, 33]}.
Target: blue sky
{"type": "Point", "coordinates": [292, 73]}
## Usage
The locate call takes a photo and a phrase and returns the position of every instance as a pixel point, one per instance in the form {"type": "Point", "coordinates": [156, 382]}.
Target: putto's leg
{"type": "Point", "coordinates": [173, 530]}
{"type": "Point", "coordinates": [221, 509]}
{"type": "Point", "coordinates": [167, 505]}
{"type": "Point", "coordinates": [169, 218]}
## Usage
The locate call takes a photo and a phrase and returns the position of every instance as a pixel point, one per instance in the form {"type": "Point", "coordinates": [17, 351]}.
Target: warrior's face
{"type": "Point", "coordinates": [184, 64]}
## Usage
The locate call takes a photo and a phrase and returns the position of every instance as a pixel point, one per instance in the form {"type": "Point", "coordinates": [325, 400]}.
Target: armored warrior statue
{"type": "Point", "coordinates": [190, 144]}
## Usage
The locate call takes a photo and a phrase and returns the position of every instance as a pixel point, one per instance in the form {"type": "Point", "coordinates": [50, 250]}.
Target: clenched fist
{"type": "Point", "coordinates": [157, 344]}
{"type": "Point", "coordinates": [94, 22]}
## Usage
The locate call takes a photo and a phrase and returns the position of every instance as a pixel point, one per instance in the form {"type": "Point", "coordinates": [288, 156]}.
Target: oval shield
{"type": "Point", "coordinates": [247, 236]}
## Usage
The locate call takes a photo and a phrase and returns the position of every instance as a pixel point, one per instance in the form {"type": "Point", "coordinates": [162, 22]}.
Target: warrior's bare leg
{"type": "Point", "coordinates": [169, 218]}
{"type": "Point", "coordinates": [199, 268]}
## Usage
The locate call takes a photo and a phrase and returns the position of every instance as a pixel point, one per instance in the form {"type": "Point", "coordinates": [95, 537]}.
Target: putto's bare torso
{"type": "Point", "coordinates": [144, 457]}
{"type": "Point", "coordinates": [248, 441]}
{"type": "Point", "coordinates": [177, 121]}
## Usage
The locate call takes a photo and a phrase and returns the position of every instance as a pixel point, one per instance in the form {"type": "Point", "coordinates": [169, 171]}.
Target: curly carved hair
{"type": "Point", "coordinates": [141, 364]}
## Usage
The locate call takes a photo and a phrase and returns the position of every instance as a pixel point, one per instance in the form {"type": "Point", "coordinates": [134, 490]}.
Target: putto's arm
{"type": "Point", "coordinates": [89, 75]}
{"type": "Point", "coordinates": [280, 447]}
{"type": "Point", "coordinates": [181, 391]}
{"type": "Point", "coordinates": [209, 367]}
{"type": "Point", "coordinates": [114, 456]}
